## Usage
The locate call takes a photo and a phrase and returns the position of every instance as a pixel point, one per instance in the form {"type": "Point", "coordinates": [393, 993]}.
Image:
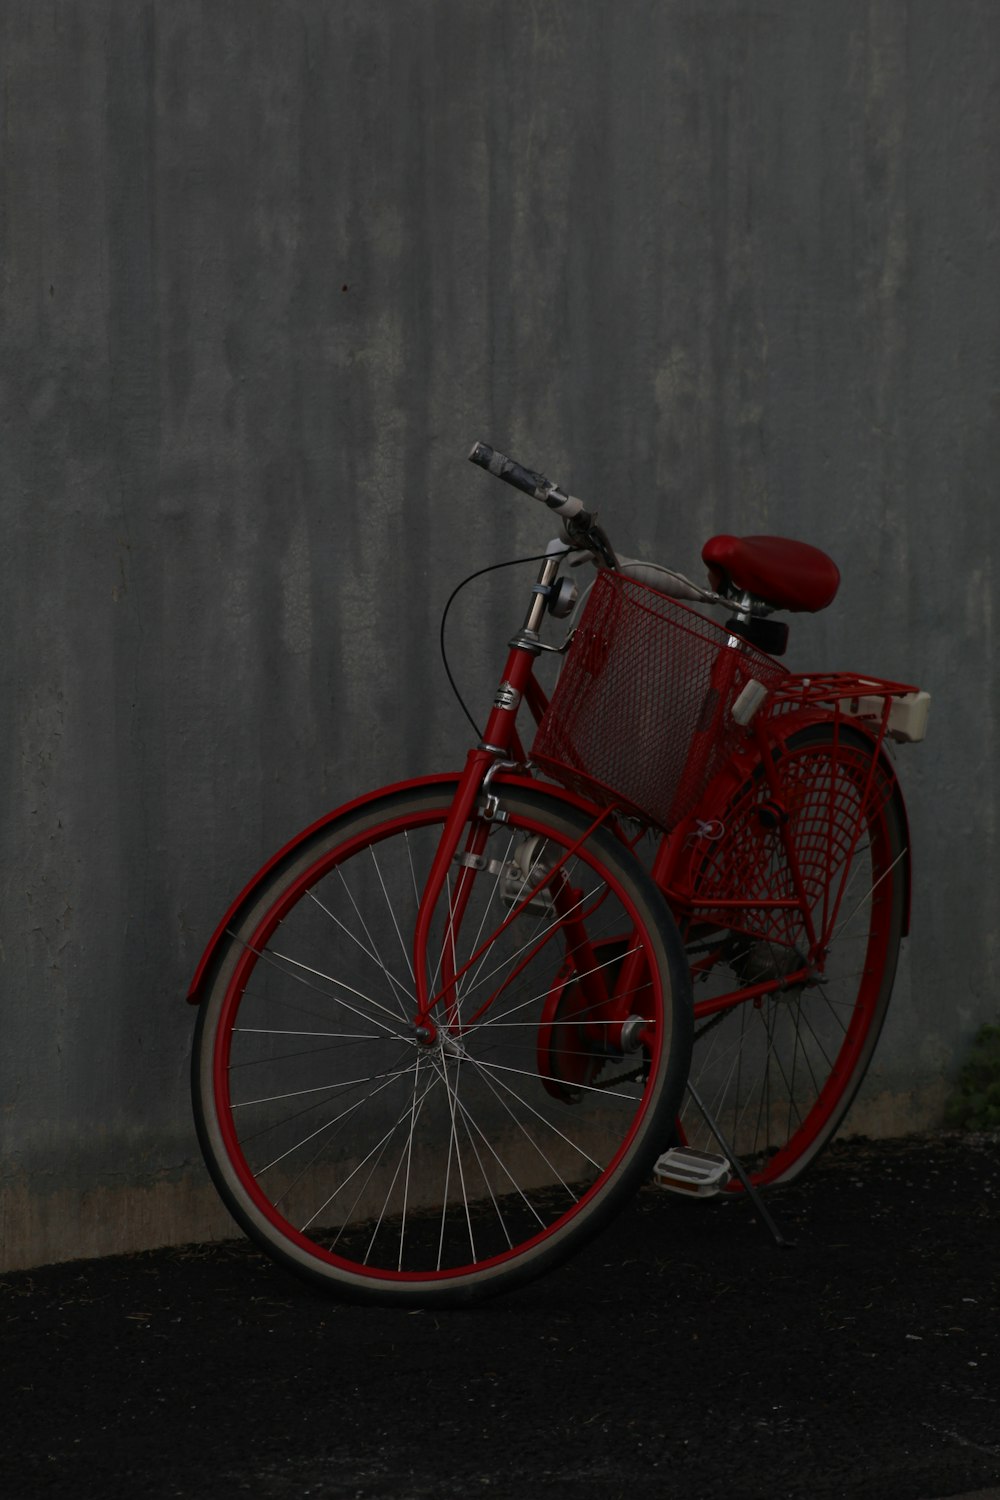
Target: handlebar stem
{"type": "Point", "coordinates": [547, 575]}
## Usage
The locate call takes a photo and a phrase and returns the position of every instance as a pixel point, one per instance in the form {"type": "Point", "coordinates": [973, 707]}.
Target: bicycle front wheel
{"type": "Point", "coordinates": [381, 1166]}
{"type": "Point", "coordinates": [789, 1003]}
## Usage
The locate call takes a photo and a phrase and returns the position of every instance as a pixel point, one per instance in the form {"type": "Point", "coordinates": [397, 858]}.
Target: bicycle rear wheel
{"type": "Point", "coordinates": [387, 1169]}
{"type": "Point", "coordinates": [786, 1020]}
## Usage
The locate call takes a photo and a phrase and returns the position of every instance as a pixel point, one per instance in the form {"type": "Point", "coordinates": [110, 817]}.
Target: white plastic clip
{"type": "Point", "coordinates": [749, 701]}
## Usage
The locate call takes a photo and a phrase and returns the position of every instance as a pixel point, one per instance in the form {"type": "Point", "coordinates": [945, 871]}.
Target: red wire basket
{"type": "Point", "coordinates": [642, 713]}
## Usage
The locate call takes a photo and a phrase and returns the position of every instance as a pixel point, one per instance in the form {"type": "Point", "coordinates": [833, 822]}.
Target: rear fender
{"type": "Point", "coordinates": [248, 894]}
{"type": "Point", "coordinates": [881, 744]}
{"type": "Point", "coordinates": [736, 771]}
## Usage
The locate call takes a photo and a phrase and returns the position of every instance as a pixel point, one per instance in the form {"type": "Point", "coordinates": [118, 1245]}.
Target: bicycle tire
{"type": "Point", "coordinates": [780, 1071]}
{"type": "Point", "coordinates": [383, 1171]}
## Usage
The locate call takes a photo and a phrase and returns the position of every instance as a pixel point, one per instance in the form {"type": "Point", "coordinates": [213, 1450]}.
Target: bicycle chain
{"type": "Point", "coordinates": [715, 1020]}
{"type": "Point", "coordinates": [607, 1083]}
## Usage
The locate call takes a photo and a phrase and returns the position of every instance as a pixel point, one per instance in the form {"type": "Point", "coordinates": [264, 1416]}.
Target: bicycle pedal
{"type": "Point", "coordinates": [695, 1174]}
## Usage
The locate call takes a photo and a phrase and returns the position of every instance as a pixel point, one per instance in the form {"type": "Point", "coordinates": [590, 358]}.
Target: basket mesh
{"type": "Point", "coordinates": [641, 713]}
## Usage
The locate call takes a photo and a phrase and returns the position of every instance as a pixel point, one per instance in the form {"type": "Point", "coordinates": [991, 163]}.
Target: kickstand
{"type": "Point", "coordinates": [751, 1192]}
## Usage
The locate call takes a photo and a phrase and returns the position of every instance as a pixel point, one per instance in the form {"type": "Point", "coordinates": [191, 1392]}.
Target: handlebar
{"type": "Point", "coordinates": [583, 533]}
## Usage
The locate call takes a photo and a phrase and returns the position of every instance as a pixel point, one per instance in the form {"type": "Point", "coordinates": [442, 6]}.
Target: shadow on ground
{"type": "Point", "coordinates": [681, 1355]}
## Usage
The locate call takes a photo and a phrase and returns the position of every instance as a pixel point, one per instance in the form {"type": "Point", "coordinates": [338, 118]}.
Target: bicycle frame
{"type": "Point", "coordinates": [801, 701]}
{"type": "Point", "coordinates": [501, 755]}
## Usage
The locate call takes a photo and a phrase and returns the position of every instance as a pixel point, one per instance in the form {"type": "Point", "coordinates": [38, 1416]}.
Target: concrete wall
{"type": "Point", "coordinates": [268, 268]}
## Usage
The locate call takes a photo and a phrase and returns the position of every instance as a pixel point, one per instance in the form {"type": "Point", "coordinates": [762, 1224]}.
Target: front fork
{"type": "Point", "coordinates": [500, 737]}
{"type": "Point", "coordinates": [436, 985]}
{"type": "Point", "coordinates": [437, 995]}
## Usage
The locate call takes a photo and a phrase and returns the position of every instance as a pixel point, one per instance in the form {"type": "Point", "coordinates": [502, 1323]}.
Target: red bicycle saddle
{"type": "Point", "coordinates": [787, 574]}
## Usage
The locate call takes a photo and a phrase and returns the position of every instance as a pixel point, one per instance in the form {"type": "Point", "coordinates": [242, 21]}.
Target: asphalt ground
{"type": "Point", "coordinates": [680, 1355]}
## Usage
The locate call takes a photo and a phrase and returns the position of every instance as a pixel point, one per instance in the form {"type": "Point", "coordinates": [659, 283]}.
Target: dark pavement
{"type": "Point", "coordinates": [681, 1355]}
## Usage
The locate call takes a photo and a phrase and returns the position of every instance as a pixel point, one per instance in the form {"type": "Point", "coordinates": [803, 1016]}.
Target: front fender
{"type": "Point", "coordinates": [248, 894]}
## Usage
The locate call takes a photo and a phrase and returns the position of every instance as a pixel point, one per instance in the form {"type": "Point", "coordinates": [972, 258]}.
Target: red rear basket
{"type": "Point", "coordinates": [642, 712]}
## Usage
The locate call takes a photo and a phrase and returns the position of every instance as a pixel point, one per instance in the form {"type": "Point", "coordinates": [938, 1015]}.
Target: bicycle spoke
{"type": "Point", "coordinates": [488, 905]}
{"type": "Point", "coordinates": [271, 958]}
{"type": "Point", "coordinates": [379, 1146]}
{"type": "Point", "coordinates": [401, 991]}
{"type": "Point", "coordinates": [328, 1125]}
{"type": "Point", "coordinates": [454, 1155]}
{"type": "Point", "coordinates": [390, 908]}
{"type": "Point", "coordinates": [605, 1093]}
{"type": "Point", "coordinates": [511, 958]}
{"type": "Point", "coordinates": [516, 1191]}
{"type": "Point", "coordinates": [501, 1020]}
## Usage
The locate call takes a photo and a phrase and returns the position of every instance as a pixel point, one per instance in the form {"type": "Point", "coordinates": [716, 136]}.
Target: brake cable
{"type": "Point", "coordinates": [493, 568]}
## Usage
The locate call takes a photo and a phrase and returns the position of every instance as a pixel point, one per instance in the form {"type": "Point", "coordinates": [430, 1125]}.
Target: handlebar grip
{"type": "Point", "coordinates": [510, 471]}
{"type": "Point", "coordinates": [528, 480]}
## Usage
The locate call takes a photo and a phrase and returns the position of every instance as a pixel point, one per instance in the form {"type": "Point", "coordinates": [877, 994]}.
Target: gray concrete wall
{"type": "Point", "coordinates": [268, 268]}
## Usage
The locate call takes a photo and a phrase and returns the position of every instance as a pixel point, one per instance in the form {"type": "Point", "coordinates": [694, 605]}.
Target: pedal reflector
{"type": "Point", "coordinates": [696, 1174]}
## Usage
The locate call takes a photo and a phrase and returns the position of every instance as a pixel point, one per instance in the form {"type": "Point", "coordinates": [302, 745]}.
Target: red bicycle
{"type": "Point", "coordinates": [446, 1031]}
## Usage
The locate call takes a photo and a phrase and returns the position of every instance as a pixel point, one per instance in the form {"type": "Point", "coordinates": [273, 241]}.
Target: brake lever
{"type": "Point", "coordinates": [589, 537]}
